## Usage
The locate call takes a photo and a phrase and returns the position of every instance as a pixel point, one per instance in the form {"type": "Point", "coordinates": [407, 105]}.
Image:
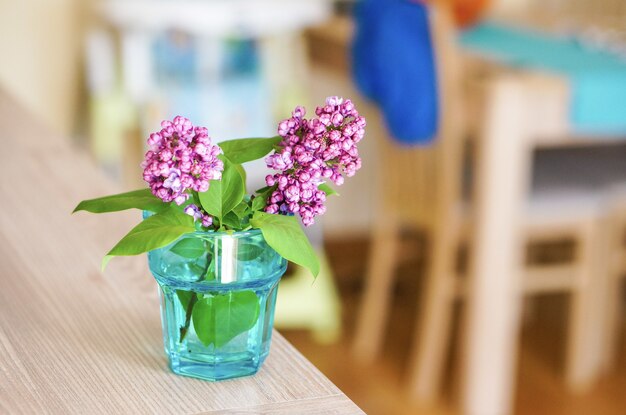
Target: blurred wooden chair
{"type": "Point", "coordinates": [421, 187]}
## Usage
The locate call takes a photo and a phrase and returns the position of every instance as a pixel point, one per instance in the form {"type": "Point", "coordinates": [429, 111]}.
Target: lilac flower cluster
{"type": "Point", "coordinates": [181, 157]}
{"type": "Point", "coordinates": [312, 151]}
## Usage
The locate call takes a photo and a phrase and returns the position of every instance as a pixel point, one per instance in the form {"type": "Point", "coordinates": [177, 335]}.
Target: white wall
{"type": "Point", "coordinates": [40, 44]}
{"type": "Point", "coordinates": [509, 6]}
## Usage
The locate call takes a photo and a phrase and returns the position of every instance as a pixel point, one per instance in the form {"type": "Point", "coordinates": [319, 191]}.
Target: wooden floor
{"type": "Point", "coordinates": [379, 388]}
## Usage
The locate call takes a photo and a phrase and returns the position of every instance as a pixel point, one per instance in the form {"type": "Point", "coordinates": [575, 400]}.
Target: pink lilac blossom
{"type": "Point", "coordinates": [193, 211]}
{"type": "Point", "coordinates": [198, 214]}
{"type": "Point", "coordinates": [181, 157]}
{"type": "Point", "coordinates": [311, 152]}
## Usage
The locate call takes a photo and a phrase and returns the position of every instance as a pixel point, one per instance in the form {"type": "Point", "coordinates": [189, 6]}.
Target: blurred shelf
{"type": "Point", "coordinates": [216, 17]}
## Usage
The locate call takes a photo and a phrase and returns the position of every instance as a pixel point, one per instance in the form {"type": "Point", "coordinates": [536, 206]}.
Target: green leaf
{"type": "Point", "coordinates": [285, 235]}
{"type": "Point", "coordinates": [232, 220]}
{"type": "Point", "coordinates": [137, 199]}
{"type": "Point", "coordinates": [260, 201]}
{"type": "Point", "coordinates": [191, 248]}
{"type": "Point", "coordinates": [327, 189]}
{"type": "Point", "coordinates": [154, 232]}
{"type": "Point", "coordinates": [241, 210]}
{"type": "Point", "coordinates": [243, 174]}
{"type": "Point", "coordinates": [223, 195]}
{"type": "Point", "coordinates": [209, 274]}
{"type": "Point", "coordinates": [184, 297]}
{"type": "Point", "coordinates": [248, 252]}
{"type": "Point", "coordinates": [247, 149]}
{"type": "Point", "coordinates": [217, 319]}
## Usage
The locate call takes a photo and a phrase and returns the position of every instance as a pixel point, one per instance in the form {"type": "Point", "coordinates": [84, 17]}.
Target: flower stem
{"type": "Point", "coordinates": [185, 328]}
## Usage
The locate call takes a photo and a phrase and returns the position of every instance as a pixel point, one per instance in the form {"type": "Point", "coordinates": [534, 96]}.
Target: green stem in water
{"type": "Point", "coordinates": [185, 328]}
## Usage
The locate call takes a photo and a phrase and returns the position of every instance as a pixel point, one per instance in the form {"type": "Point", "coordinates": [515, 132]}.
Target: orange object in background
{"type": "Point", "coordinates": [467, 12]}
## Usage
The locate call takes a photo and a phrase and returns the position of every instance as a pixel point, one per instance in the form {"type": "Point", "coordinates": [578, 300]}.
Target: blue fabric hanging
{"type": "Point", "coordinates": [393, 65]}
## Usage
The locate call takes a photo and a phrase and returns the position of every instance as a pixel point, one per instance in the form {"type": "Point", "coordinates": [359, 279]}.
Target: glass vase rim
{"type": "Point", "coordinates": [221, 234]}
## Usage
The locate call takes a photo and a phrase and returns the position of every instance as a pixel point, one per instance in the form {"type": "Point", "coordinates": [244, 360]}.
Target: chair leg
{"type": "Point", "coordinates": [612, 322]}
{"type": "Point", "coordinates": [615, 227]}
{"type": "Point", "coordinates": [374, 307]}
{"type": "Point", "coordinates": [430, 343]}
{"type": "Point", "coordinates": [586, 314]}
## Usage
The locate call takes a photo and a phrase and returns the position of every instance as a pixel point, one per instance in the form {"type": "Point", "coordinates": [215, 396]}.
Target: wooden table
{"type": "Point", "coordinates": [73, 340]}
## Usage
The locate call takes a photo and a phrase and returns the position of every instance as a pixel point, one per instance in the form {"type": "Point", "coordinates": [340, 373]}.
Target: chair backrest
{"type": "Point", "coordinates": [422, 184]}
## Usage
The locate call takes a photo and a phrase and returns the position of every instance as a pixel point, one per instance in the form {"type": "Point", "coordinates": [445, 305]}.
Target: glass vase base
{"type": "Point", "coordinates": [217, 371]}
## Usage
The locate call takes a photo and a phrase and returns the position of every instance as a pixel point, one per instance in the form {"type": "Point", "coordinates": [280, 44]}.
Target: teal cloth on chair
{"type": "Point", "coordinates": [598, 78]}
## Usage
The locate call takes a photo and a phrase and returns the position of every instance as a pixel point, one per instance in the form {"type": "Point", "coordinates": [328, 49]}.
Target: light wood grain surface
{"type": "Point", "coordinates": [75, 340]}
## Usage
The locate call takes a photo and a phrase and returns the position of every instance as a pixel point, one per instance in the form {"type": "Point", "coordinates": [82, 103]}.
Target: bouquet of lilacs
{"type": "Point", "coordinates": [195, 185]}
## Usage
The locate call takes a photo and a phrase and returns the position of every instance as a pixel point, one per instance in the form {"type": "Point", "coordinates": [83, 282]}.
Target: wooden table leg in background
{"type": "Point", "coordinates": [494, 301]}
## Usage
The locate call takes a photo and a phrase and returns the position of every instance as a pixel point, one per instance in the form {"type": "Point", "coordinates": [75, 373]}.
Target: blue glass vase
{"type": "Point", "coordinates": [218, 292]}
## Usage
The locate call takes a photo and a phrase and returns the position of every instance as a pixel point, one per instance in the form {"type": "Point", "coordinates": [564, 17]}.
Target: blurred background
{"type": "Point", "coordinates": [472, 106]}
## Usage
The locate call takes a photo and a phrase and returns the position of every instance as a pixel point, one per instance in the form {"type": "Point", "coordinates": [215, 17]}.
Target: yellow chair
{"type": "Point", "coordinates": [312, 304]}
